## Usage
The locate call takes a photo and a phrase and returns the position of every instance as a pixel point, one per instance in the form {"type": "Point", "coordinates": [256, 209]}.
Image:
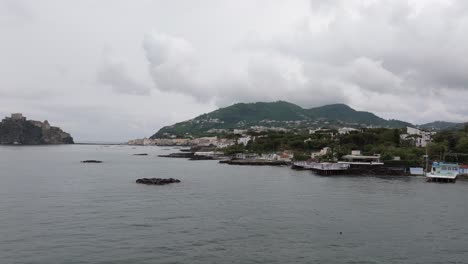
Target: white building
{"type": "Point", "coordinates": [239, 131]}
{"type": "Point", "coordinates": [421, 138]}
{"type": "Point", "coordinates": [271, 156]}
{"type": "Point", "coordinates": [320, 153]}
{"type": "Point", "coordinates": [224, 143]}
{"type": "Point", "coordinates": [346, 130]}
{"type": "Point", "coordinates": [244, 140]}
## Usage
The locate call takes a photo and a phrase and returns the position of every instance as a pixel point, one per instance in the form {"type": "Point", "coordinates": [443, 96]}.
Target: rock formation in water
{"type": "Point", "coordinates": [157, 181]}
{"type": "Point", "coordinates": [18, 130]}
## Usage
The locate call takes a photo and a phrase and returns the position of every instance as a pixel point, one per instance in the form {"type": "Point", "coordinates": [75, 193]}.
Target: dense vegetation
{"type": "Point", "coordinates": [448, 145]}
{"type": "Point", "coordinates": [275, 114]}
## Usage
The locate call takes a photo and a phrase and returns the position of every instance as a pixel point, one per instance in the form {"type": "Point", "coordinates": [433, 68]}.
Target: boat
{"type": "Point", "coordinates": [443, 172]}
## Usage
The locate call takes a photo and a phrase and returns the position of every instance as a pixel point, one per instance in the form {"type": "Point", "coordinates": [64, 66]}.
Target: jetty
{"type": "Point", "coordinates": [323, 168]}
{"type": "Point", "coordinates": [255, 162]}
{"type": "Point", "coordinates": [344, 168]}
{"type": "Point", "coordinates": [183, 155]}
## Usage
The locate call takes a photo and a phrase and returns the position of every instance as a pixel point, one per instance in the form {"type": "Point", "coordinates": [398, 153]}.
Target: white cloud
{"type": "Point", "coordinates": [116, 76]}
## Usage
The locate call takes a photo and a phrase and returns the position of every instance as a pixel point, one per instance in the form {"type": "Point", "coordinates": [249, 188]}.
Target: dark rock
{"type": "Point", "coordinates": [91, 161]}
{"type": "Point", "coordinates": [157, 181]}
{"type": "Point", "coordinates": [179, 155]}
{"type": "Point", "coordinates": [141, 154]}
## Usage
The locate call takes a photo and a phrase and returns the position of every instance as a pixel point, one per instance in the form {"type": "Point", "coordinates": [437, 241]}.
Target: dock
{"type": "Point", "coordinates": [255, 162]}
{"type": "Point", "coordinates": [343, 168]}
{"type": "Point", "coordinates": [323, 168]}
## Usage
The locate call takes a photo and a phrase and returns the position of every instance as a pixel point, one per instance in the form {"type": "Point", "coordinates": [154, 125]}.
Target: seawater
{"type": "Point", "coordinates": [54, 209]}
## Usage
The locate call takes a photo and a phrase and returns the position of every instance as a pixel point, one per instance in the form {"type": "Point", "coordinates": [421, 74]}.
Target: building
{"type": "Point", "coordinates": [224, 143]}
{"type": "Point", "coordinates": [346, 130]}
{"type": "Point", "coordinates": [239, 131]}
{"type": "Point", "coordinates": [205, 141]}
{"type": "Point", "coordinates": [270, 157]}
{"type": "Point", "coordinates": [285, 156]}
{"type": "Point", "coordinates": [17, 116]}
{"type": "Point", "coordinates": [358, 159]}
{"type": "Point", "coordinates": [322, 152]}
{"type": "Point", "coordinates": [244, 140]}
{"type": "Point", "coordinates": [420, 137]}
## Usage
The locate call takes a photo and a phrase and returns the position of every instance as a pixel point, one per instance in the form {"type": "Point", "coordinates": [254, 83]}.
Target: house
{"type": "Point", "coordinates": [320, 153]}
{"type": "Point", "coordinates": [285, 156]}
{"type": "Point", "coordinates": [244, 140]}
{"type": "Point", "coordinates": [346, 130]}
{"type": "Point", "coordinates": [421, 138]}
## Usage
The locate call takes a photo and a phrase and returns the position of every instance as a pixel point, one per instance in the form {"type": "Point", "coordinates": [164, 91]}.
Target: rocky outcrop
{"type": "Point", "coordinates": [183, 155]}
{"type": "Point", "coordinates": [18, 130]}
{"type": "Point", "coordinates": [157, 181]}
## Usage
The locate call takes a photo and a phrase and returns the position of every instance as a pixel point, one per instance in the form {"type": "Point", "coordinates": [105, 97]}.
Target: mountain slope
{"type": "Point", "coordinates": [276, 114]}
{"type": "Point", "coordinates": [441, 125]}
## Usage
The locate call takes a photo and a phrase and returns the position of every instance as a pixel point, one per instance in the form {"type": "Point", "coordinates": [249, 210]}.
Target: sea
{"type": "Point", "coordinates": [54, 209]}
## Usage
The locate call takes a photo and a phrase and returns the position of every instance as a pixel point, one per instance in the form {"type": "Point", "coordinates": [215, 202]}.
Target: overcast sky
{"type": "Point", "coordinates": [114, 70]}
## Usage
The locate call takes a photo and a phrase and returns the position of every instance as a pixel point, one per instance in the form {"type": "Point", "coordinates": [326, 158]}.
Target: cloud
{"type": "Point", "coordinates": [262, 76]}
{"type": "Point", "coordinates": [172, 65]}
{"type": "Point", "coordinates": [396, 52]}
{"type": "Point", "coordinates": [401, 59]}
{"type": "Point", "coordinates": [116, 76]}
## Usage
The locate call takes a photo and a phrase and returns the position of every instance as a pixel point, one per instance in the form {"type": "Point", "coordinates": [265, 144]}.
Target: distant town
{"type": "Point", "coordinates": [345, 150]}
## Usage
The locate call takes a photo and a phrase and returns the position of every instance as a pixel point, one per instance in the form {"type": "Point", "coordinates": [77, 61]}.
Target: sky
{"type": "Point", "coordinates": [113, 70]}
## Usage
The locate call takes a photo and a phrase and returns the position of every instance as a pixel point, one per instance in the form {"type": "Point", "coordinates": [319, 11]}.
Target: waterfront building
{"type": "Point", "coordinates": [357, 159]}
{"type": "Point", "coordinates": [269, 156]}
{"type": "Point", "coordinates": [285, 156]}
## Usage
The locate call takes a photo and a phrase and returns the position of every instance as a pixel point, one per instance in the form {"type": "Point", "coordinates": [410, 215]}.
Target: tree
{"type": "Point", "coordinates": [462, 145]}
{"type": "Point", "coordinates": [396, 137]}
{"type": "Point", "coordinates": [437, 150]}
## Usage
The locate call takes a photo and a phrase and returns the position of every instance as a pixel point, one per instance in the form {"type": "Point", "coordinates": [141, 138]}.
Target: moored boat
{"type": "Point", "coordinates": [443, 172]}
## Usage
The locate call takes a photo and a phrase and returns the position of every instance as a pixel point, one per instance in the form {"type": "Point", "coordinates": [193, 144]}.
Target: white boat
{"type": "Point", "coordinates": [443, 172]}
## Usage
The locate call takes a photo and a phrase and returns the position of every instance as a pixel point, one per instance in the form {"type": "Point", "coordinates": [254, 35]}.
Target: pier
{"type": "Point", "coordinates": [323, 168]}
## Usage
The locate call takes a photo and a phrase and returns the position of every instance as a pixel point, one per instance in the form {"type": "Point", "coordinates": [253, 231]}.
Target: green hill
{"type": "Point", "coordinates": [278, 114]}
{"type": "Point", "coordinates": [441, 125]}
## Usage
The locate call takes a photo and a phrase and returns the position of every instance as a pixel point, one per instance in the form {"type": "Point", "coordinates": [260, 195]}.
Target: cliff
{"type": "Point", "coordinates": [17, 130]}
